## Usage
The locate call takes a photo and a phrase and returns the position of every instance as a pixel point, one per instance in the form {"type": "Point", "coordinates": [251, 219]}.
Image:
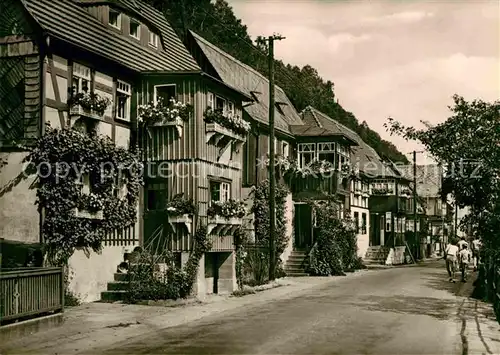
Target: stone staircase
{"type": "Point", "coordinates": [376, 255]}
{"type": "Point", "coordinates": [297, 264]}
{"type": "Point", "coordinates": [116, 289]}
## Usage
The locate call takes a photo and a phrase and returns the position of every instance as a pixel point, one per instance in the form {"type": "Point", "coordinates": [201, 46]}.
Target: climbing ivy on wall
{"type": "Point", "coordinates": [261, 218]}
{"type": "Point", "coordinates": [64, 160]}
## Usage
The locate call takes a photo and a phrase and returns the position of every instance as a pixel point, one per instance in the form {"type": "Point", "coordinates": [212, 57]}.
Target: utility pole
{"type": "Point", "coordinates": [272, 181]}
{"type": "Point", "coordinates": [417, 240]}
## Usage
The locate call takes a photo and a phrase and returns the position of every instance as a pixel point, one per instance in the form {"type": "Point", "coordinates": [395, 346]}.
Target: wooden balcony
{"type": "Point", "coordinates": [312, 187]}
{"type": "Point", "coordinates": [389, 203]}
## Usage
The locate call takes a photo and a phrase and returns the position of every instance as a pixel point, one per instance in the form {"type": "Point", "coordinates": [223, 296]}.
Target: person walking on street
{"type": "Point", "coordinates": [476, 245]}
{"type": "Point", "coordinates": [461, 243]}
{"type": "Point", "coordinates": [450, 255]}
{"type": "Point", "coordinates": [464, 258]}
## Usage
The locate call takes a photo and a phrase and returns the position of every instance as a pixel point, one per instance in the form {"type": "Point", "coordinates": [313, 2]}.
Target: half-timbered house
{"type": "Point", "coordinates": [51, 50]}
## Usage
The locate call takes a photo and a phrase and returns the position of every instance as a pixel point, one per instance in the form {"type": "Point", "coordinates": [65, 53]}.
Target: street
{"type": "Point", "coordinates": [406, 310]}
{"type": "Point", "coordinates": [410, 310]}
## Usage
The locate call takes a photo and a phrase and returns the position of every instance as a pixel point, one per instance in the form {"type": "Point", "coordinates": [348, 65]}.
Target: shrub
{"type": "Point", "coordinates": [335, 250]}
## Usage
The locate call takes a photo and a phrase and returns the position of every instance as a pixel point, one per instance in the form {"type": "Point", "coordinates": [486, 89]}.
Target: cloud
{"type": "Point", "coordinates": [399, 17]}
{"type": "Point", "coordinates": [337, 40]}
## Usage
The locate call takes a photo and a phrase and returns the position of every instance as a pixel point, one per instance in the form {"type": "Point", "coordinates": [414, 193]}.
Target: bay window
{"type": "Point", "coordinates": [326, 151]}
{"type": "Point", "coordinates": [307, 153]}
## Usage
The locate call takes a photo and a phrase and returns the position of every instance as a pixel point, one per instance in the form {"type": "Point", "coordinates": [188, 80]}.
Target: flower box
{"type": "Point", "coordinates": [224, 220]}
{"type": "Point", "coordinates": [89, 215]}
{"type": "Point", "coordinates": [177, 124]}
{"type": "Point", "coordinates": [78, 110]}
{"type": "Point", "coordinates": [185, 219]}
{"type": "Point", "coordinates": [223, 225]}
{"type": "Point", "coordinates": [213, 129]}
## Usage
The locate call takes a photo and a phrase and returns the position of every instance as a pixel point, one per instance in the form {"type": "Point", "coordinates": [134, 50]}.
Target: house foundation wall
{"type": "Point", "coordinates": [89, 275]}
{"type": "Point", "coordinates": [19, 217]}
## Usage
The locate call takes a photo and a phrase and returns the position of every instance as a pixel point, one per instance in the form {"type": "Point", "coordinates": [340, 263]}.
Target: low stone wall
{"type": "Point", "coordinates": [89, 275]}
{"type": "Point", "coordinates": [398, 257]}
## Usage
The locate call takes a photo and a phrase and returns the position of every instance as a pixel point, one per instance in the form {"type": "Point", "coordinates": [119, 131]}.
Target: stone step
{"type": "Point", "coordinates": [296, 274]}
{"type": "Point", "coordinates": [118, 286]}
{"type": "Point", "coordinates": [113, 296]}
{"type": "Point", "coordinates": [121, 277]}
{"type": "Point", "coordinates": [292, 257]}
{"type": "Point", "coordinates": [296, 262]}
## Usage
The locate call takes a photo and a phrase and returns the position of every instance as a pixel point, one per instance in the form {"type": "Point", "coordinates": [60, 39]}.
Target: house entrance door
{"type": "Point", "coordinates": [303, 226]}
{"type": "Point", "coordinates": [374, 229]}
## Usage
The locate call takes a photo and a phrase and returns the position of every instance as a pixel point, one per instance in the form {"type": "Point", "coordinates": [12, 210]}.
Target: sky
{"type": "Point", "coordinates": [400, 59]}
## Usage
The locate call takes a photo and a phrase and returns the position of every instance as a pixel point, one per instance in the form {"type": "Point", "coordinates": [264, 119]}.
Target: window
{"type": "Point", "coordinates": [123, 96]}
{"type": "Point", "coordinates": [307, 154]}
{"type": "Point", "coordinates": [356, 221]}
{"type": "Point", "coordinates": [220, 191]}
{"type": "Point", "coordinates": [165, 92]}
{"type": "Point", "coordinates": [388, 224]}
{"type": "Point", "coordinates": [135, 29]}
{"type": "Point", "coordinates": [156, 196]}
{"type": "Point", "coordinates": [326, 151]}
{"type": "Point", "coordinates": [220, 104]}
{"type": "Point", "coordinates": [153, 39]}
{"type": "Point", "coordinates": [230, 108]}
{"type": "Point", "coordinates": [276, 146]}
{"type": "Point", "coordinates": [115, 19]}
{"type": "Point", "coordinates": [119, 186]}
{"type": "Point", "coordinates": [286, 149]}
{"type": "Point", "coordinates": [81, 78]}
{"type": "Point", "coordinates": [210, 100]}
{"type": "Point", "coordinates": [343, 156]}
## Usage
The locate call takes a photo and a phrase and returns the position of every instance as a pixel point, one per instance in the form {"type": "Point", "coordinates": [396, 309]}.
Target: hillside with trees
{"type": "Point", "coordinates": [217, 23]}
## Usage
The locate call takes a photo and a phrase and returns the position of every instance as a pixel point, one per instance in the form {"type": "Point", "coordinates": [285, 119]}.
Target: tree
{"type": "Point", "coordinates": [468, 145]}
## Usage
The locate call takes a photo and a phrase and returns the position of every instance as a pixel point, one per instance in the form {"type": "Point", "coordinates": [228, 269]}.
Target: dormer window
{"type": "Point", "coordinates": [115, 19]}
{"type": "Point", "coordinates": [135, 29]}
{"type": "Point", "coordinates": [153, 39]}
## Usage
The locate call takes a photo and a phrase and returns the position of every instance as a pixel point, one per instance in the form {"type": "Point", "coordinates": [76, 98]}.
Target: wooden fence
{"type": "Point", "coordinates": [30, 292]}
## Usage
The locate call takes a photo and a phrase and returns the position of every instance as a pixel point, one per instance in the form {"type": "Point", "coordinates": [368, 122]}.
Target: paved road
{"type": "Point", "coordinates": [409, 310]}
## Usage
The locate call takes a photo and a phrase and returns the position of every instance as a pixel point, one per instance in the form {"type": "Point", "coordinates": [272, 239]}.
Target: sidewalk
{"type": "Point", "coordinates": [478, 327]}
{"type": "Point", "coordinates": [105, 324]}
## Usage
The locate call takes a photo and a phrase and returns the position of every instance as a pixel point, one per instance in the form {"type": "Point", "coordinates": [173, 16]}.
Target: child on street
{"type": "Point", "coordinates": [464, 258]}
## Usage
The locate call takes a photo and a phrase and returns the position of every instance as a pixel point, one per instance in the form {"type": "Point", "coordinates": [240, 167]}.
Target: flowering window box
{"type": "Point", "coordinates": [177, 124]}
{"type": "Point", "coordinates": [223, 225]}
{"type": "Point", "coordinates": [175, 220]}
{"type": "Point", "coordinates": [78, 110]}
{"type": "Point", "coordinates": [218, 132]}
{"type": "Point", "coordinates": [88, 214]}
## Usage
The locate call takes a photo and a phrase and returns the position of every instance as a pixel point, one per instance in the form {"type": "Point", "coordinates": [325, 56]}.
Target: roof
{"type": "Point", "coordinates": [366, 157]}
{"type": "Point", "coordinates": [316, 123]}
{"type": "Point", "coordinates": [246, 79]}
{"type": "Point", "coordinates": [428, 178]}
{"type": "Point", "coordinates": [70, 22]}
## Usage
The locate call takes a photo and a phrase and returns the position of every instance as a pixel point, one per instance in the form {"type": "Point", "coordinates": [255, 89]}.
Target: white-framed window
{"type": "Point", "coordinates": [220, 191]}
{"type": "Point", "coordinates": [230, 108]}
{"type": "Point", "coordinates": [326, 151]}
{"type": "Point", "coordinates": [153, 39]}
{"type": "Point", "coordinates": [220, 104]}
{"type": "Point", "coordinates": [343, 155]}
{"type": "Point", "coordinates": [115, 19]}
{"type": "Point", "coordinates": [135, 29]}
{"type": "Point", "coordinates": [306, 153]}
{"type": "Point", "coordinates": [123, 97]}
{"type": "Point", "coordinates": [81, 78]}
{"type": "Point", "coordinates": [166, 92]}
{"type": "Point", "coordinates": [211, 100]}
{"type": "Point", "coordinates": [286, 149]}
{"type": "Point", "coordinates": [276, 146]}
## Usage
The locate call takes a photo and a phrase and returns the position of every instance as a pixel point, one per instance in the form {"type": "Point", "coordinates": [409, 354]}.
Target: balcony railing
{"type": "Point", "coordinates": [317, 187]}
{"type": "Point", "coordinates": [30, 292]}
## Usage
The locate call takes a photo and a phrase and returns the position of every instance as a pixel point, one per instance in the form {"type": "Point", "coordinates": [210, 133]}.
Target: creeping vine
{"type": "Point", "coordinates": [65, 160]}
